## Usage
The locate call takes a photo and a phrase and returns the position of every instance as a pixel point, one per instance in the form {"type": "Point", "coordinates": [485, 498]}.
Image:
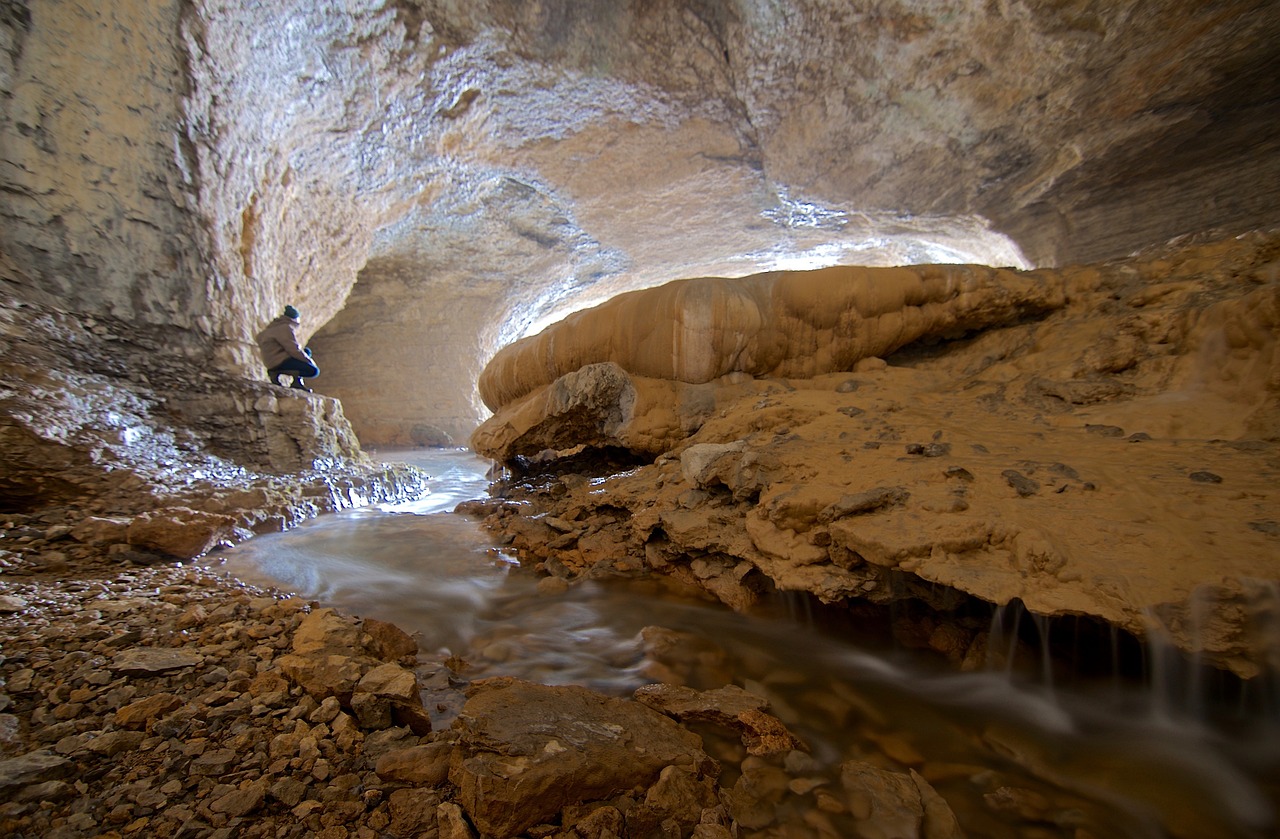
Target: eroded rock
{"type": "Point", "coordinates": [779, 484]}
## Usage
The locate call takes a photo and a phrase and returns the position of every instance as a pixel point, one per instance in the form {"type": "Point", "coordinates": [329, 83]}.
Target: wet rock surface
{"type": "Point", "coordinates": [171, 701]}
{"type": "Point", "coordinates": [947, 469]}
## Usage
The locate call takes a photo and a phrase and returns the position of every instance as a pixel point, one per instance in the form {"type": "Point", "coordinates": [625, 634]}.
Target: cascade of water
{"type": "Point", "coordinates": [799, 608]}
{"type": "Point", "coordinates": [995, 636]}
{"type": "Point", "coordinates": [1180, 682]}
{"type": "Point", "coordinates": [1263, 691]}
{"type": "Point", "coordinates": [1043, 626]}
{"type": "Point", "coordinates": [1003, 637]}
{"type": "Point", "coordinates": [1160, 659]}
{"type": "Point", "coordinates": [1114, 635]}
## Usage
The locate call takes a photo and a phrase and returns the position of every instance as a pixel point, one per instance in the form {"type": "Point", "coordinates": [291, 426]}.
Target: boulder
{"type": "Point", "coordinates": [33, 768]}
{"type": "Point", "coordinates": [729, 706]}
{"type": "Point", "coordinates": [148, 661]}
{"type": "Point", "coordinates": [179, 532]}
{"type": "Point", "coordinates": [526, 751]}
{"type": "Point", "coordinates": [887, 803]}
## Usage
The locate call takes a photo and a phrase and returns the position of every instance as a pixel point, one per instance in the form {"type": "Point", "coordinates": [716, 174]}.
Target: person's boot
{"type": "Point", "coordinates": [273, 376]}
{"type": "Point", "coordinates": [298, 385]}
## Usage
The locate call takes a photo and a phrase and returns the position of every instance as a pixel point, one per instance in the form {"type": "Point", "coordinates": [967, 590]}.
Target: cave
{"type": "Point", "coordinates": [956, 291]}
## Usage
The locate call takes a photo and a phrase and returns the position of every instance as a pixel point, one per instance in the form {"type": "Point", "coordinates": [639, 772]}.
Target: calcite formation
{"type": "Point", "coordinates": [1092, 441]}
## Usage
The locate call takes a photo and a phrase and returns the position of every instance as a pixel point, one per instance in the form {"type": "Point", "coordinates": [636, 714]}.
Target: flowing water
{"type": "Point", "coordinates": [1013, 755]}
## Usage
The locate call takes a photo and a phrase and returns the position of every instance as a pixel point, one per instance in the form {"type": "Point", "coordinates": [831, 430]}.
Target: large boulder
{"type": "Point", "coordinates": [527, 751]}
{"type": "Point", "coordinates": [179, 532]}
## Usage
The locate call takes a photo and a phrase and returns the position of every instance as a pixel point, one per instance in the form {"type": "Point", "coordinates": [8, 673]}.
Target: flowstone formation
{"type": "Point", "coordinates": [1094, 441]}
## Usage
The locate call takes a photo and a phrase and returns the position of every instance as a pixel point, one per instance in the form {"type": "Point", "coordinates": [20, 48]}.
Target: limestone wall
{"type": "Point", "coordinates": [100, 182]}
{"type": "Point", "coordinates": [202, 164]}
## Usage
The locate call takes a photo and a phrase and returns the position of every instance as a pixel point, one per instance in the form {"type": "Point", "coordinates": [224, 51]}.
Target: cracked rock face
{"type": "Point", "coordinates": [428, 179]}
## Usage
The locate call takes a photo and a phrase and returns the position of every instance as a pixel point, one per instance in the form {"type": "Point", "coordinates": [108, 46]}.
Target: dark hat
{"type": "Point", "coordinates": [290, 312]}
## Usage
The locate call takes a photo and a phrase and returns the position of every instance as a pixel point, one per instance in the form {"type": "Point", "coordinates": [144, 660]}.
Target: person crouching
{"type": "Point", "coordinates": [281, 353]}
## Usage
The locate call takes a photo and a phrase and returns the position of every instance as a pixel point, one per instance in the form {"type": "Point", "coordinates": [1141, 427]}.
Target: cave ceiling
{"type": "Point", "coordinates": [447, 175]}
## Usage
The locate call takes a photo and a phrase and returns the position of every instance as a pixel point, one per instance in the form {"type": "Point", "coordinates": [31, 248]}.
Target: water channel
{"type": "Point", "coordinates": [1012, 755]}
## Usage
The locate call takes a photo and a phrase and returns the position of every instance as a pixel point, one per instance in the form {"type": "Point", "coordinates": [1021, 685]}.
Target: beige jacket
{"type": "Point", "coordinates": [279, 341]}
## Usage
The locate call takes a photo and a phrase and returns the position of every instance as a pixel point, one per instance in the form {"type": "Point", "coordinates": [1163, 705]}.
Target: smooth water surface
{"type": "Point", "coordinates": [1011, 758]}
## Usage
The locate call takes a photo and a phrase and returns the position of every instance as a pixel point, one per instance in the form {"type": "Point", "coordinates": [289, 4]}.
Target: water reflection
{"type": "Point", "coordinates": [1012, 758]}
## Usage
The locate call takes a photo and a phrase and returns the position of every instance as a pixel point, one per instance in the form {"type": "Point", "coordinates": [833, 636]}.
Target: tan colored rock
{"type": "Point", "coordinates": [832, 484]}
{"type": "Point", "coordinates": [326, 630]}
{"type": "Point", "coordinates": [324, 675]}
{"type": "Point", "coordinates": [388, 641]}
{"type": "Point", "coordinates": [528, 750]}
{"type": "Point", "coordinates": [242, 801]}
{"type": "Point", "coordinates": [423, 765]}
{"type": "Point", "coordinates": [414, 811]}
{"type": "Point", "coordinates": [885, 803]}
{"type": "Point", "coordinates": [730, 706]}
{"type": "Point", "coordinates": [451, 823]}
{"type": "Point", "coordinates": [392, 682]}
{"type": "Point", "coordinates": [33, 767]}
{"type": "Point", "coordinates": [179, 532]}
{"type": "Point", "coordinates": [412, 716]}
{"type": "Point", "coordinates": [787, 324]}
{"type": "Point", "coordinates": [268, 682]}
{"type": "Point", "coordinates": [372, 712]}
{"type": "Point", "coordinates": [101, 530]}
{"type": "Point", "coordinates": [139, 714]}
{"type": "Point", "coordinates": [148, 661]}
{"type": "Point", "coordinates": [113, 743]}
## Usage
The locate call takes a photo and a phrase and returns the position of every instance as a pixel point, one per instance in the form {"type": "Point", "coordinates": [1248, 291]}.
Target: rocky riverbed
{"type": "Point", "coordinates": [171, 701]}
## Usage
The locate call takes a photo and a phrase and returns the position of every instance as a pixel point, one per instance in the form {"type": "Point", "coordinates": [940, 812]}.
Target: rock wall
{"type": "Point", "coordinates": [1096, 441]}
{"type": "Point", "coordinates": [141, 454]}
{"type": "Point", "coordinates": [100, 182]}
{"type": "Point", "coordinates": [202, 164]}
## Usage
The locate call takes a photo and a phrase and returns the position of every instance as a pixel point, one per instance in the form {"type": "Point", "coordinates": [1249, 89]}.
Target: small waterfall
{"type": "Point", "coordinates": [1042, 624]}
{"type": "Point", "coordinates": [799, 607]}
{"type": "Point", "coordinates": [1188, 685]}
{"type": "Point", "coordinates": [1266, 632]}
{"type": "Point", "coordinates": [1003, 637]}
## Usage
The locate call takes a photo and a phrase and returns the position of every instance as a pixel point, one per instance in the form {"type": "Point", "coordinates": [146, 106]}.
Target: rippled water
{"type": "Point", "coordinates": [1013, 758]}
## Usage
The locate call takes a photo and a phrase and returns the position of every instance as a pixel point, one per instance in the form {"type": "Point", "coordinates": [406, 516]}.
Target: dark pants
{"type": "Point", "coordinates": [294, 367]}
